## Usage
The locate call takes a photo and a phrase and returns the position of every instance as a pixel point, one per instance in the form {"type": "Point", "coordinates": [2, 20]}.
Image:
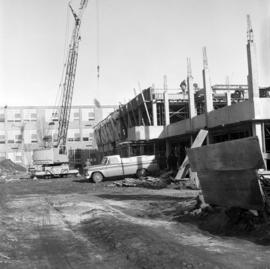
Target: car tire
{"type": "Point", "coordinates": [97, 177]}
{"type": "Point", "coordinates": [141, 172]}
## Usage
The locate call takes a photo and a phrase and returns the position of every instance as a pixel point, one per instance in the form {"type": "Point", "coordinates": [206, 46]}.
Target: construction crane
{"type": "Point", "coordinates": [53, 161]}
{"type": "Point", "coordinates": [70, 72]}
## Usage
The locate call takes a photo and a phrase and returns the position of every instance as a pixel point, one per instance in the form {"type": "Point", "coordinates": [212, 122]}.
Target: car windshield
{"type": "Point", "coordinates": [104, 160]}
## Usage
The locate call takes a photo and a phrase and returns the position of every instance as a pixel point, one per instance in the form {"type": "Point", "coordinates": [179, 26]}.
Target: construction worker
{"type": "Point", "coordinates": [172, 161]}
{"type": "Point", "coordinates": [183, 87]}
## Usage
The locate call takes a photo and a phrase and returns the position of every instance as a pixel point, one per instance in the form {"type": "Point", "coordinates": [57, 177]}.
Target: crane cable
{"type": "Point", "coordinates": [60, 88]}
{"type": "Point", "coordinates": [97, 32]}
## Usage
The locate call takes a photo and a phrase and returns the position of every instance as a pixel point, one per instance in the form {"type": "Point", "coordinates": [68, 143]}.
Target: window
{"type": "Point", "coordinates": [17, 117]}
{"type": "Point", "coordinates": [13, 115]}
{"type": "Point", "coordinates": [76, 116]}
{"type": "Point", "coordinates": [2, 117]}
{"type": "Point", "coordinates": [34, 138]}
{"type": "Point", "coordinates": [55, 116]}
{"type": "Point", "coordinates": [85, 138]}
{"type": "Point", "coordinates": [33, 116]}
{"type": "Point", "coordinates": [18, 138]}
{"type": "Point", "coordinates": [11, 141]}
{"type": "Point", "coordinates": [2, 139]}
{"type": "Point", "coordinates": [113, 160]}
{"type": "Point", "coordinates": [77, 137]}
{"type": "Point", "coordinates": [91, 116]}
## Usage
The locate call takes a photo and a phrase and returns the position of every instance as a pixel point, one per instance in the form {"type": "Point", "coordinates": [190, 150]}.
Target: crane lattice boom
{"type": "Point", "coordinates": [69, 79]}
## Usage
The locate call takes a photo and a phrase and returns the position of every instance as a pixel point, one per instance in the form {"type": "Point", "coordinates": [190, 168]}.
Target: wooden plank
{"type": "Point", "coordinates": [232, 188]}
{"type": "Point", "coordinates": [197, 143]}
{"type": "Point", "coordinates": [237, 154]}
{"type": "Point", "coordinates": [146, 109]}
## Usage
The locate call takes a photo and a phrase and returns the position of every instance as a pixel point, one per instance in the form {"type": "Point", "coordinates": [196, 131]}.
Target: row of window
{"type": "Point", "coordinates": [16, 117]}
{"type": "Point", "coordinates": [15, 141]}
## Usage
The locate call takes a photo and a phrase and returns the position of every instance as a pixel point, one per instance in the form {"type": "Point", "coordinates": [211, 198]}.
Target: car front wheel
{"type": "Point", "coordinates": [97, 177]}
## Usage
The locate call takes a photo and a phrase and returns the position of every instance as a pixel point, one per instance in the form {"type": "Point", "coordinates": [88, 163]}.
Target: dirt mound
{"type": "Point", "coordinates": [9, 167]}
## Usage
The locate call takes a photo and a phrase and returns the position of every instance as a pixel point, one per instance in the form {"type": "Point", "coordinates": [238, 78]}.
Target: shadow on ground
{"type": "Point", "coordinates": [149, 197]}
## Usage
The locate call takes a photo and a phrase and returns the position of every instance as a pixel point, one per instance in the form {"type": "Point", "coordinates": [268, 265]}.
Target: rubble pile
{"type": "Point", "coordinates": [9, 169]}
{"type": "Point", "coordinates": [166, 179]}
{"type": "Point", "coordinates": [144, 182]}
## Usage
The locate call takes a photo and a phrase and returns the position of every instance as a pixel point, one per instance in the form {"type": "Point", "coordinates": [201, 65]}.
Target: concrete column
{"type": "Point", "coordinates": [166, 108]}
{"type": "Point", "coordinates": [206, 84]}
{"type": "Point", "coordinates": [166, 101]}
{"type": "Point", "coordinates": [190, 88]}
{"type": "Point", "coordinates": [228, 93]}
{"type": "Point", "coordinates": [228, 97]}
{"type": "Point", "coordinates": [253, 84]}
{"type": "Point", "coordinates": [154, 112]}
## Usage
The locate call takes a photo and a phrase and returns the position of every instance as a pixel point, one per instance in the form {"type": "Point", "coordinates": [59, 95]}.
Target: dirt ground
{"type": "Point", "coordinates": [70, 223]}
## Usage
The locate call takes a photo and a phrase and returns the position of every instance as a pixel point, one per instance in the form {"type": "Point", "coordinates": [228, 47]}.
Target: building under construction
{"type": "Point", "coordinates": [158, 120]}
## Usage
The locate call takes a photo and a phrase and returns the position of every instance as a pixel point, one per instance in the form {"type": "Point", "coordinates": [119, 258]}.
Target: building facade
{"type": "Point", "coordinates": [23, 129]}
{"type": "Point", "coordinates": [160, 120]}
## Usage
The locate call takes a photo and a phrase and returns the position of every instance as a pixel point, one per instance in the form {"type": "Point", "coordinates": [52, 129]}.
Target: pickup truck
{"type": "Point", "coordinates": [115, 166]}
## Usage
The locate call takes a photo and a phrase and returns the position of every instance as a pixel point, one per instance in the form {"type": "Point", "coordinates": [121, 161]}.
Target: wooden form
{"type": "Point", "coordinates": [228, 172]}
{"type": "Point", "coordinates": [197, 143]}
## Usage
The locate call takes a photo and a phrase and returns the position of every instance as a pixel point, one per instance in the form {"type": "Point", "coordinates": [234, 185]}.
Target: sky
{"type": "Point", "coordinates": [139, 42]}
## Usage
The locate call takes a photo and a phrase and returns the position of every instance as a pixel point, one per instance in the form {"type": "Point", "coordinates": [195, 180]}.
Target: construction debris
{"type": "Point", "coordinates": [146, 182]}
{"type": "Point", "coordinates": [165, 180]}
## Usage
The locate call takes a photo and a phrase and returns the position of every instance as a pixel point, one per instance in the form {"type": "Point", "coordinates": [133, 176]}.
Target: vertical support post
{"type": "Point", "coordinates": [6, 133]}
{"type": "Point", "coordinates": [154, 112]}
{"type": "Point", "coordinates": [80, 124]}
{"type": "Point", "coordinates": [166, 102]}
{"type": "Point", "coordinates": [128, 116]}
{"type": "Point", "coordinates": [140, 116]}
{"type": "Point", "coordinates": [207, 85]}
{"type": "Point", "coordinates": [192, 109]}
{"type": "Point", "coordinates": [146, 109]}
{"type": "Point", "coordinates": [228, 93]}
{"type": "Point", "coordinates": [257, 131]}
{"type": "Point", "coordinates": [253, 84]}
{"type": "Point", "coordinates": [168, 148]}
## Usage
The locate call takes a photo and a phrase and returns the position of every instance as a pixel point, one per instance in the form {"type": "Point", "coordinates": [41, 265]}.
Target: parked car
{"type": "Point", "coordinates": [115, 166]}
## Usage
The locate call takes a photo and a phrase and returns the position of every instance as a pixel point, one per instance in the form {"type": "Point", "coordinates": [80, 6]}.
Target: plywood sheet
{"type": "Point", "coordinates": [227, 172]}
{"type": "Point", "coordinates": [237, 154]}
{"type": "Point", "coordinates": [231, 188]}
